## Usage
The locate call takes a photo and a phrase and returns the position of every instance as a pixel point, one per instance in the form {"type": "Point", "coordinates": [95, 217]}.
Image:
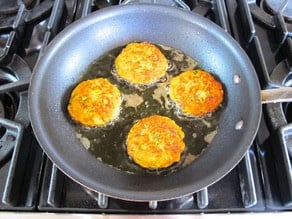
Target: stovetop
{"type": "Point", "coordinates": [30, 182]}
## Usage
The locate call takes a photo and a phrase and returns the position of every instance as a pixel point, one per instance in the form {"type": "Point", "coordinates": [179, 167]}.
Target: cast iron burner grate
{"type": "Point", "coordinates": [30, 182]}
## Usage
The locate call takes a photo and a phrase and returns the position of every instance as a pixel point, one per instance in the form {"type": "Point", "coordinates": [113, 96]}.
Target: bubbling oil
{"type": "Point", "coordinates": [107, 143]}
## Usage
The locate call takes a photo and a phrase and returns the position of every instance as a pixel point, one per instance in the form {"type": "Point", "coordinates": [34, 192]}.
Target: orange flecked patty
{"type": "Point", "coordinates": [196, 92]}
{"type": "Point", "coordinates": [155, 142]}
{"type": "Point", "coordinates": [141, 63]}
{"type": "Point", "coordinates": [95, 102]}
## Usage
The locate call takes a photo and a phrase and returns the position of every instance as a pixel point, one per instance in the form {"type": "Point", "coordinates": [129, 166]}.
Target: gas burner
{"type": "Point", "coordinates": [282, 6]}
{"type": "Point", "coordinates": [9, 101]}
{"type": "Point", "coordinates": [13, 105]}
{"type": "Point", "coordinates": [14, 78]}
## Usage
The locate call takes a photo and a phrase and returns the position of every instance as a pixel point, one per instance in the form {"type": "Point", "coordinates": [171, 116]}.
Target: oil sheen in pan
{"type": "Point", "coordinates": [107, 144]}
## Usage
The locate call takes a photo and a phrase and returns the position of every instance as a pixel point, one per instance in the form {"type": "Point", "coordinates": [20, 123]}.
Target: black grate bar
{"type": "Point", "coordinates": [16, 86]}
{"type": "Point", "coordinates": [247, 184]}
{"type": "Point", "coordinates": [261, 16]}
{"type": "Point", "coordinates": [256, 55]}
{"type": "Point", "coordinates": [55, 187]}
{"type": "Point", "coordinates": [4, 51]}
{"type": "Point", "coordinates": [15, 133]}
{"type": "Point", "coordinates": [249, 29]}
{"type": "Point", "coordinates": [202, 198]}
{"type": "Point", "coordinates": [86, 8]}
{"type": "Point", "coordinates": [11, 138]}
{"type": "Point", "coordinates": [55, 17]}
{"type": "Point", "coordinates": [39, 11]}
{"type": "Point", "coordinates": [14, 33]}
{"type": "Point", "coordinates": [281, 30]}
{"type": "Point", "coordinates": [53, 24]}
{"type": "Point", "coordinates": [222, 17]}
{"type": "Point", "coordinates": [283, 164]}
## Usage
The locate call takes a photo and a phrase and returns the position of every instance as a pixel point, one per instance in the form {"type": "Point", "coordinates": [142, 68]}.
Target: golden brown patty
{"type": "Point", "coordinates": [95, 102]}
{"type": "Point", "coordinates": [155, 142]}
{"type": "Point", "coordinates": [141, 63]}
{"type": "Point", "coordinates": [196, 92]}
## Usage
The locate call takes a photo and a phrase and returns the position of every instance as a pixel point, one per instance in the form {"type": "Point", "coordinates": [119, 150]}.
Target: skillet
{"type": "Point", "coordinates": [72, 51]}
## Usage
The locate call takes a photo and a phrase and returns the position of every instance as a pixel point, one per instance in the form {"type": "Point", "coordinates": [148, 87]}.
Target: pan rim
{"type": "Point", "coordinates": [129, 194]}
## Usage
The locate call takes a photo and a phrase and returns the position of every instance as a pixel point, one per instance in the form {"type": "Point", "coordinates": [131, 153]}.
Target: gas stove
{"type": "Point", "coordinates": [32, 184]}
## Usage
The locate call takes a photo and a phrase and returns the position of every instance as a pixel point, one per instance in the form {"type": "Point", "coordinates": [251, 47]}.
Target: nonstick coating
{"type": "Point", "coordinates": [70, 53]}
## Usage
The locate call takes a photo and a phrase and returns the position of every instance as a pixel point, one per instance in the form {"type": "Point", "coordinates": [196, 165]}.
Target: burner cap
{"type": "Point", "coordinates": [285, 6]}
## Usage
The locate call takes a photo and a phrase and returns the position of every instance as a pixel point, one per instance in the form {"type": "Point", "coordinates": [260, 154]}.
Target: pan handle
{"type": "Point", "coordinates": [277, 95]}
{"type": "Point", "coordinates": [175, 3]}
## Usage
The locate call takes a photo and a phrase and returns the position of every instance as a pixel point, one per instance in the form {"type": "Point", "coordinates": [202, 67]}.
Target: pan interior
{"type": "Point", "coordinates": [108, 143]}
{"type": "Point", "coordinates": [72, 51]}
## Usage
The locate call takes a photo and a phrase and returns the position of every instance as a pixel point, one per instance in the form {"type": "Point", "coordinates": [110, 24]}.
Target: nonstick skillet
{"type": "Point", "coordinates": [71, 52]}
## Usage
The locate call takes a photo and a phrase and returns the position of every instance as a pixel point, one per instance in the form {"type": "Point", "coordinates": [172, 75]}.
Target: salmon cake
{"type": "Point", "coordinates": [155, 142]}
{"type": "Point", "coordinates": [141, 63]}
{"type": "Point", "coordinates": [95, 102]}
{"type": "Point", "coordinates": [196, 92]}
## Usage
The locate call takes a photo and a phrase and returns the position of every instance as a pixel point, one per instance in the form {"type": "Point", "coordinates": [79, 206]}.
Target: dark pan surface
{"type": "Point", "coordinates": [75, 48]}
{"type": "Point", "coordinates": [140, 102]}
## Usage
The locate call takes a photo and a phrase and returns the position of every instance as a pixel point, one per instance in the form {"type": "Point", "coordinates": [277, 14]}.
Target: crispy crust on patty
{"type": "Point", "coordinates": [141, 63]}
{"type": "Point", "coordinates": [196, 92]}
{"type": "Point", "coordinates": [95, 102]}
{"type": "Point", "coordinates": [155, 142]}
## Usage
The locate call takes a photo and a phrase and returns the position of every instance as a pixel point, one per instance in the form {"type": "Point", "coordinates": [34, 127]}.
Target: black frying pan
{"type": "Point", "coordinates": [69, 54]}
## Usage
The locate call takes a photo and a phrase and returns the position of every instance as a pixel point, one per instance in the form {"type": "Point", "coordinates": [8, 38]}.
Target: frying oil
{"type": "Point", "coordinates": [107, 143]}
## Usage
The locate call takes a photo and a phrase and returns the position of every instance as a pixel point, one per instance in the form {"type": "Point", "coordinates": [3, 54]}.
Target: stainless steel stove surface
{"type": "Point", "coordinates": [30, 183]}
